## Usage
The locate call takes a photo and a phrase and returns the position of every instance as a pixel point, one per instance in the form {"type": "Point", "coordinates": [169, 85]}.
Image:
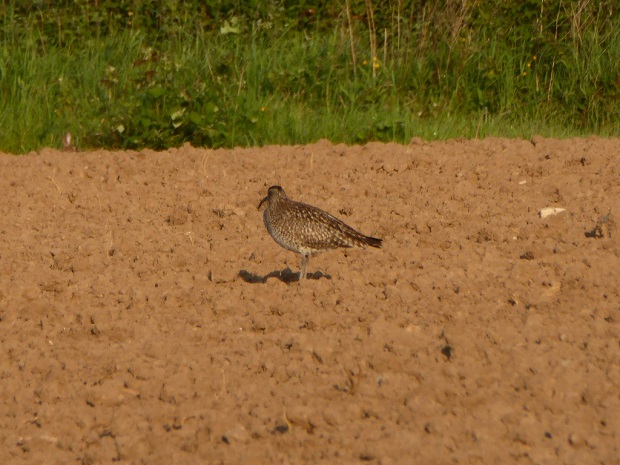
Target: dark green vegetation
{"type": "Point", "coordinates": [157, 73]}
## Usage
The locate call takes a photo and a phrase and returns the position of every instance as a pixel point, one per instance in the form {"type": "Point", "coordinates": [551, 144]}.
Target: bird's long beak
{"type": "Point", "coordinates": [261, 202]}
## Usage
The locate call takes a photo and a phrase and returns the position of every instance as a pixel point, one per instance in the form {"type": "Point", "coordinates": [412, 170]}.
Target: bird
{"type": "Point", "coordinates": [307, 230]}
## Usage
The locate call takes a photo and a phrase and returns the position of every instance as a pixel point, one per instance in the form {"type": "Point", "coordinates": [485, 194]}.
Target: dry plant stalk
{"type": "Point", "coordinates": [372, 36]}
{"type": "Point", "coordinates": [353, 57]}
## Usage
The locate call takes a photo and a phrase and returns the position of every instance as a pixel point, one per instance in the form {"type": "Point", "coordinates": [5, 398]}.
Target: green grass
{"type": "Point", "coordinates": [134, 89]}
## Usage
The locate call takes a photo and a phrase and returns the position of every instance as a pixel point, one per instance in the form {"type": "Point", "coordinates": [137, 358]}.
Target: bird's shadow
{"type": "Point", "coordinates": [286, 276]}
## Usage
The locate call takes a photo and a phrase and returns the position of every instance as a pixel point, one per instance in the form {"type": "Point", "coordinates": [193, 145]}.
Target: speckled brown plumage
{"type": "Point", "coordinates": [305, 229]}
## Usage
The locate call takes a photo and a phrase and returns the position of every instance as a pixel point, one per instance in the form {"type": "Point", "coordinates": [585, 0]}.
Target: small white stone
{"type": "Point", "coordinates": [549, 211]}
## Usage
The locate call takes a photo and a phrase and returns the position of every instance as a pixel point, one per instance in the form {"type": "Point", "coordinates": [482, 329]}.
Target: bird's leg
{"type": "Point", "coordinates": [304, 265]}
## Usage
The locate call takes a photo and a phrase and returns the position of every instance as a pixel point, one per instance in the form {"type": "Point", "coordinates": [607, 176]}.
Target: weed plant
{"type": "Point", "coordinates": [140, 73]}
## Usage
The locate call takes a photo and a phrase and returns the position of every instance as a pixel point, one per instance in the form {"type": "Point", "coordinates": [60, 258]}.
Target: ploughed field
{"type": "Point", "coordinates": [146, 315]}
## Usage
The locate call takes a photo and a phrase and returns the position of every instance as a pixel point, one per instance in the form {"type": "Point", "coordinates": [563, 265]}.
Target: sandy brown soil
{"type": "Point", "coordinates": [146, 316]}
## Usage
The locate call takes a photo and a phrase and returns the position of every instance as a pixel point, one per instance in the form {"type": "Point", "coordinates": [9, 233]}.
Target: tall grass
{"type": "Point", "coordinates": [251, 81]}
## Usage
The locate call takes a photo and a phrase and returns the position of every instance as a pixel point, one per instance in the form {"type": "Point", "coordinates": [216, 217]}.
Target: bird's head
{"type": "Point", "coordinates": [274, 194]}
